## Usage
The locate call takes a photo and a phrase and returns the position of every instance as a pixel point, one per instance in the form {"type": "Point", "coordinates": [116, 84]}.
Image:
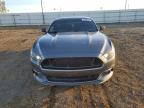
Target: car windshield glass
{"type": "Point", "coordinates": [73, 25]}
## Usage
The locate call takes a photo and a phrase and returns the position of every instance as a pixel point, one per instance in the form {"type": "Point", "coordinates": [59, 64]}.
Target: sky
{"type": "Point", "coordinates": [22, 6]}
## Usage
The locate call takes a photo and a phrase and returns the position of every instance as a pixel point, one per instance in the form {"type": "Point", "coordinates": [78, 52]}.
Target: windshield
{"type": "Point", "coordinates": [73, 25]}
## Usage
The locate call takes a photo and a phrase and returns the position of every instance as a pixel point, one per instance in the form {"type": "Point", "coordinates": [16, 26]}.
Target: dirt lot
{"type": "Point", "coordinates": [18, 89]}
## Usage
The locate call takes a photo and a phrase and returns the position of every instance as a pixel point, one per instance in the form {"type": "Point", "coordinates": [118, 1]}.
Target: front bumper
{"type": "Point", "coordinates": [106, 72]}
{"type": "Point", "coordinates": [104, 76]}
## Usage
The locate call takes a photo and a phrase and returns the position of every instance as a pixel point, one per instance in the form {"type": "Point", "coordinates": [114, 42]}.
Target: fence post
{"type": "Point", "coordinates": [29, 19]}
{"type": "Point", "coordinates": [43, 18]}
{"type": "Point", "coordinates": [89, 14]}
{"type": "Point", "coordinates": [119, 16]}
{"type": "Point", "coordinates": [0, 22]}
{"type": "Point", "coordinates": [104, 17]}
{"type": "Point", "coordinates": [74, 14]}
{"type": "Point", "coordinates": [14, 21]}
{"type": "Point", "coordinates": [135, 15]}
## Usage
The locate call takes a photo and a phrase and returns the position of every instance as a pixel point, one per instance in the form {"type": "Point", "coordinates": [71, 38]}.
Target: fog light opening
{"type": "Point", "coordinates": [34, 72]}
{"type": "Point", "coordinates": [105, 75]}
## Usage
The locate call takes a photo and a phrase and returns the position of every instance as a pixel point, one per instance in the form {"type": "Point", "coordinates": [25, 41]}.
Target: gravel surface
{"type": "Point", "coordinates": [18, 89]}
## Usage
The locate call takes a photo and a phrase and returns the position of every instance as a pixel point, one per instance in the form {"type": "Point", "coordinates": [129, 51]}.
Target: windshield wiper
{"type": "Point", "coordinates": [54, 32]}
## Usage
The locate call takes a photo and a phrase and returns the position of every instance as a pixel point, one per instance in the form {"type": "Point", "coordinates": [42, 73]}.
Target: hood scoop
{"type": "Point", "coordinates": [71, 40]}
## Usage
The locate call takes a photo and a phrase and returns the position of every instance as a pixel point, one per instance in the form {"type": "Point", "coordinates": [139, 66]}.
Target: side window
{"type": "Point", "coordinates": [51, 28]}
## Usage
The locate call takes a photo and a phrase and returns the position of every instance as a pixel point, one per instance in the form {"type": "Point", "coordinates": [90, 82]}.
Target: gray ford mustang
{"type": "Point", "coordinates": [73, 51]}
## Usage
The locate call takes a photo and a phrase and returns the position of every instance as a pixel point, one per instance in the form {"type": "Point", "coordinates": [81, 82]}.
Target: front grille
{"type": "Point", "coordinates": [74, 79]}
{"type": "Point", "coordinates": [71, 63]}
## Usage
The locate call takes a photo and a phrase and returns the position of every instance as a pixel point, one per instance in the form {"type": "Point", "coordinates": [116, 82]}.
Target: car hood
{"type": "Point", "coordinates": [72, 44]}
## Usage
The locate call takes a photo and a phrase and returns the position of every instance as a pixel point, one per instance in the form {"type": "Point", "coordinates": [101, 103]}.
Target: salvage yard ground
{"type": "Point", "coordinates": [18, 89]}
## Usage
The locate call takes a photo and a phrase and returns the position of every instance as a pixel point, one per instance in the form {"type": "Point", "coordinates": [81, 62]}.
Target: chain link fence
{"type": "Point", "coordinates": [110, 16]}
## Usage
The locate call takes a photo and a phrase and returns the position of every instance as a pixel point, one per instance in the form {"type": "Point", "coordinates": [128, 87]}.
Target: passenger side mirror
{"type": "Point", "coordinates": [102, 28]}
{"type": "Point", "coordinates": [44, 30]}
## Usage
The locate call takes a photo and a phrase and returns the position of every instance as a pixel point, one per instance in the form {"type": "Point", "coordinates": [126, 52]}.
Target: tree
{"type": "Point", "coordinates": [2, 7]}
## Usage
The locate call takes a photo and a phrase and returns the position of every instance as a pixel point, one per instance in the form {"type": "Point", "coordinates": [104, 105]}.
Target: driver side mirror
{"type": "Point", "coordinates": [44, 30]}
{"type": "Point", "coordinates": [102, 28]}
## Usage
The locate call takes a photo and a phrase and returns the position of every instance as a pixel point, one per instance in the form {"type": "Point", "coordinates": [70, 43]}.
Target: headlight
{"type": "Point", "coordinates": [36, 58]}
{"type": "Point", "coordinates": [109, 54]}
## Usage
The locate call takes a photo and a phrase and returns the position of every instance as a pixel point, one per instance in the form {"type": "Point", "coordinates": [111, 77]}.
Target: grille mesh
{"type": "Point", "coordinates": [73, 79]}
{"type": "Point", "coordinates": [71, 63]}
